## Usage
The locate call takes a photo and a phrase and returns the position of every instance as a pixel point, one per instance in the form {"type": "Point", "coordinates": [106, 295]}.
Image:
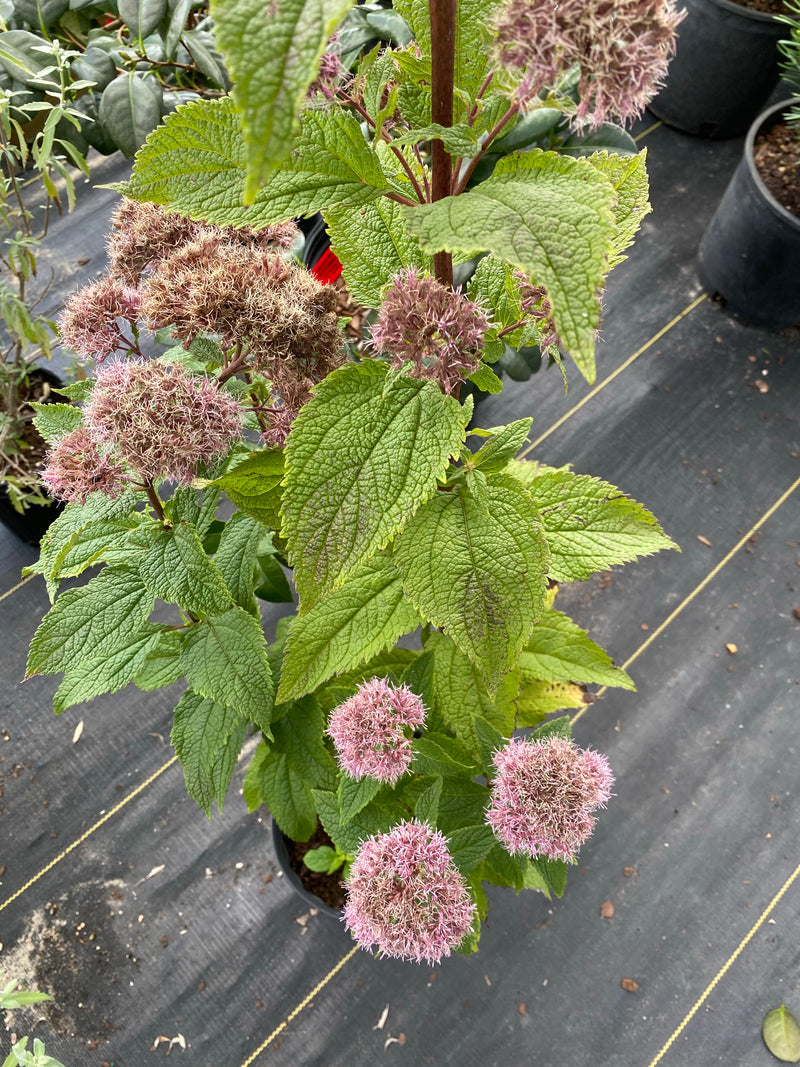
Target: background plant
{"type": "Point", "coordinates": [21, 1055]}
{"type": "Point", "coordinates": [31, 135]}
{"type": "Point", "coordinates": [360, 470]}
{"type": "Point", "coordinates": [789, 48]}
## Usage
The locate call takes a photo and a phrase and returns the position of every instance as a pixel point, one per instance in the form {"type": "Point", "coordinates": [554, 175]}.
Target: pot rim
{"type": "Point", "coordinates": [745, 12]}
{"type": "Point", "coordinates": [761, 120]}
{"type": "Point", "coordinates": [293, 878]}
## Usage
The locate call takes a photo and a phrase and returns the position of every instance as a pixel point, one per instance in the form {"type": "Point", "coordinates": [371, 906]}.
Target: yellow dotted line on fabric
{"type": "Point", "coordinates": [698, 589]}
{"type": "Point", "coordinates": [88, 833]}
{"type": "Point", "coordinates": [607, 381]}
{"type": "Point", "coordinates": [303, 1004]}
{"type": "Point", "coordinates": [724, 969]}
{"type": "Point", "coordinates": [14, 588]}
{"type": "Point", "coordinates": [644, 133]}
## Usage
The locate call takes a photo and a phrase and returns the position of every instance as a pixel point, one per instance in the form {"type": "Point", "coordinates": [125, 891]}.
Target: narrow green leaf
{"type": "Point", "coordinates": [225, 659]}
{"type": "Point", "coordinates": [553, 873]}
{"type": "Point", "coordinates": [273, 53]}
{"type": "Point", "coordinates": [175, 567]}
{"type": "Point", "coordinates": [201, 47]}
{"type": "Point", "coordinates": [105, 673]}
{"type": "Point", "coordinates": [254, 486]}
{"type": "Point", "coordinates": [550, 216]}
{"type": "Point", "coordinates": [353, 623]}
{"type": "Point", "coordinates": [477, 569]}
{"type": "Point", "coordinates": [207, 738]}
{"type": "Point", "coordinates": [485, 379]}
{"type": "Point", "coordinates": [781, 1034]}
{"type": "Point", "coordinates": [558, 650]}
{"type": "Point", "coordinates": [89, 620]}
{"type": "Point", "coordinates": [438, 754]}
{"type": "Point", "coordinates": [489, 740]}
{"type": "Point", "coordinates": [363, 454]}
{"type": "Point", "coordinates": [458, 140]}
{"type": "Point", "coordinates": [589, 524]}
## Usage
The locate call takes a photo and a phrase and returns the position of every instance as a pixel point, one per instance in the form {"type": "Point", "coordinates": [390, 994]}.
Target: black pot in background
{"type": "Point", "coordinates": [723, 71]}
{"type": "Point", "coordinates": [293, 878]}
{"type": "Point", "coordinates": [33, 523]}
{"type": "Point", "coordinates": [750, 253]}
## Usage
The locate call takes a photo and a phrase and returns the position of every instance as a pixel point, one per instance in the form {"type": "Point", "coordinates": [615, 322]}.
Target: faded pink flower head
{"type": "Point", "coordinates": [369, 730]}
{"type": "Point", "coordinates": [279, 423]}
{"type": "Point", "coordinates": [77, 465]}
{"type": "Point", "coordinates": [161, 419]}
{"type": "Point", "coordinates": [89, 323]}
{"type": "Point", "coordinates": [439, 331]}
{"type": "Point", "coordinates": [405, 895]}
{"type": "Point", "coordinates": [535, 303]}
{"type": "Point", "coordinates": [331, 72]}
{"type": "Point", "coordinates": [543, 796]}
{"type": "Point", "coordinates": [623, 48]}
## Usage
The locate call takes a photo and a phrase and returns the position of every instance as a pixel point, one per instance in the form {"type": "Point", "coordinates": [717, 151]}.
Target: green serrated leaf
{"type": "Point", "coordinates": [504, 444]}
{"type": "Point", "coordinates": [207, 738]}
{"type": "Point", "coordinates": [488, 738]}
{"type": "Point", "coordinates": [54, 420]}
{"type": "Point", "coordinates": [236, 558]}
{"type": "Point", "coordinates": [90, 620]}
{"type": "Point", "coordinates": [461, 694]}
{"type": "Point", "coordinates": [271, 780]}
{"type": "Point", "coordinates": [374, 818]}
{"type": "Point", "coordinates": [477, 569]}
{"type": "Point", "coordinates": [426, 807]}
{"type": "Point", "coordinates": [175, 567]}
{"type": "Point", "coordinates": [558, 650]}
{"type": "Point", "coordinates": [107, 672]}
{"type": "Point", "coordinates": [363, 454]}
{"type": "Point", "coordinates": [628, 176]}
{"type": "Point", "coordinates": [225, 659]}
{"type": "Point", "coordinates": [559, 727]}
{"type": "Point", "coordinates": [254, 486]}
{"type": "Point", "coordinates": [271, 582]}
{"type": "Point", "coordinates": [161, 666]}
{"type": "Point", "coordinates": [353, 623]}
{"type": "Point", "coordinates": [781, 1034]}
{"type": "Point", "coordinates": [589, 524]}
{"type": "Point", "coordinates": [458, 140]}
{"type": "Point", "coordinates": [470, 845]}
{"type": "Point", "coordinates": [550, 216]}
{"type": "Point", "coordinates": [553, 873]}
{"type": "Point", "coordinates": [462, 803]}
{"type": "Point", "coordinates": [193, 506]}
{"type": "Point", "coordinates": [372, 244]}
{"type": "Point", "coordinates": [536, 699]}
{"type": "Point", "coordinates": [273, 54]}
{"type": "Point", "coordinates": [324, 859]}
{"type": "Point", "coordinates": [79, 392]}
{"type": "Point", "coordinates": [485, 379]}
{"type": "Point", "coordinates": [354, 794]}
{"type": "Point", "coordinates": [439, 754]}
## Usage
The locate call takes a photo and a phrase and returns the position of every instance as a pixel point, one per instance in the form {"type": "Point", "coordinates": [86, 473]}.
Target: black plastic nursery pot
{"type": "Point", "coordinates": [750, 253]}
{"type": "Point", "coordinates": [281, 845]}
{"type": "Point", "coordinates": [724, 68]}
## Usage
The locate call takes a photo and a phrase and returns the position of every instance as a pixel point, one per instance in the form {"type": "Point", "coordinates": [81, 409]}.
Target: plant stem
{"type": "Point", "coordinates": [153, 497]}
{"type": "Point", "coordinates": [443, 52]}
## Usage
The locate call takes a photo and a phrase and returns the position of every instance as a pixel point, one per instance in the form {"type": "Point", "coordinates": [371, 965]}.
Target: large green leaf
{"type": "Point", "coordinates": [225, 659]}
{"type": "Point", "coordinates": [273, 51]}
{"type": "Point", "coordinates": [550, 216]}
{"type": "Point", "coordinates": [476, 567]}
{"type": "Point", "coordinates": [374, 818]}
{"type": "Point", "coordinates": [130, 109]}
{"type": "Point", "coordinates": [207, 737]}
{"type": "Point", "coordinates": [254, 486]}
{"type": "Point", "coordinates": [107, 672]}
{"type": "Point", "coordinates": [174, 566]}
{"type": "Point", "coordinates": [350, 625]}
{"type": "Point", "coordinates": [54, 420]}
{"type": "Point", "coordinates": [781, 1034]}
{"type": "Point", "coordinates": [461, 695]}
{"type": "Point", "coordinates": [141, 16]}
{"type": "Point", "coordinates": [96, 618]}
{"type": "Point", "coordinates": [362, 456]}
{"type": "Point", "coordinates": [589, 524]}
{"type": "Point", "coordinates": [628, 176]}
{"type": "Point", "coordinates": [373, 244]}
{"type": "Point", "coordinates": [236, 558]}
{"type": "Point", "coordinates": [558, 650]}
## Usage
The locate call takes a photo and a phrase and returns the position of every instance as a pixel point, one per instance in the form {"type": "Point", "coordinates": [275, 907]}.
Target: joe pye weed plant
{"type": "Point", "coordinates": [356, 466]}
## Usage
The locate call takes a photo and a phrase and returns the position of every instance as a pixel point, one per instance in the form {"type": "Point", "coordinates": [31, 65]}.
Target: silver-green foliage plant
{"type": "Point", "coordinates": [357, 468]}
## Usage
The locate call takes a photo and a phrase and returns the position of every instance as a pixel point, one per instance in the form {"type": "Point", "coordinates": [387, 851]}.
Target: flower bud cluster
{"type": "Point", "coordinates": [405, 895]}
{"type": "Point", "coordinates": [623, 48]}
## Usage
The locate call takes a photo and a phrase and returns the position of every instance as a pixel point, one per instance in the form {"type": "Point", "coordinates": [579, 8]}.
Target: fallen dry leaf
{"type": "Point", "coordinates": [629, 871]}
{"type": "Point", "coordinates": [156, 870]}
{"type": "Point", "coordinates": [630, 985]}
{"type": "Point", "coordinates": [301, 920]}
{"type": "Point", "coordinates": [521, 1009]}
{"type": "Point", "coordinates": [732, 648]}
{"type": "Point", "coordinates": [606, 910]}
{"type": "Point", "coordinates": [704, 540]}
{"type": "Point", "coordinates": [796, 613]}
{"type": "Point", "coordinates": [78, 731]}
{"type": "Point", "coordinates": [384, 1016]}
{"type": "Point", "coordinates": [762, 386]}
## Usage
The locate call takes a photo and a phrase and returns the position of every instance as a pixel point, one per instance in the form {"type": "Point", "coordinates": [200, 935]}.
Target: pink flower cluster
{"type": "Point", "coordinates": [405, 895]}
{"type": "Point", "coordinates": [432, 327]}
{"type": "Point", "coordinates": [543, 796]}
{"type": "Point", "coordinates": [157, 419]}
{"type": "Point", "coordinates": [623, 48]}
{"type": "Point", "coordinates": [90, 322]}
{"type": "Point", "coordinates": [370, 730]}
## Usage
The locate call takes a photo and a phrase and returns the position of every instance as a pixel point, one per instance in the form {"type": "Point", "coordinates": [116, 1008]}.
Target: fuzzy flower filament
{"type": "Point", "coordinates": [543, 796]}
{"type": "Point", "coordinates": [78, 465]}
{"type": "Point", "coordinates": [90, 322]}
{"type": "Point", "coordinates": [430, 326]}
{"type": "Point", "coordinates": [405, 895]}
{"type": "Point", "coordinates": [370, 730]}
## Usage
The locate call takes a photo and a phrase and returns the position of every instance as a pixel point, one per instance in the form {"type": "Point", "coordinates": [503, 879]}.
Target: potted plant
{"type": "Point", "coordinates": [725, 67]}
{"type": "Point", "coordinates": [750, 253]}
{"type": "Point", "coordinates": [24, 384]}
{"type": "Point", "coordinates": [358, 469]}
